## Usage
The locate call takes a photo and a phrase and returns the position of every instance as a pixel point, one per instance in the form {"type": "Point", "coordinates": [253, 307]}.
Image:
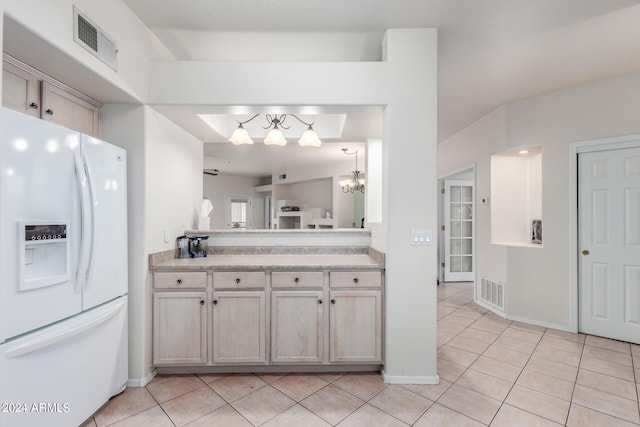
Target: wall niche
{"type": "Point", "coordinates": [516, 197]}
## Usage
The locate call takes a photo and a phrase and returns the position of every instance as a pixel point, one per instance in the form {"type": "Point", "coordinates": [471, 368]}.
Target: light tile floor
{"type": "Point", "coordinates": [493, 372]}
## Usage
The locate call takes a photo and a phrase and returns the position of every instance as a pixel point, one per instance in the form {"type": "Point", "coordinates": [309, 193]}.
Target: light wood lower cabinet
{"type": "Point", "coordinates": [179, 328]}
{"type": "Point", "coordinates": [297, 326]}
{"type": "Point", "coordinates": [243, 318]}
{"type": "Point", "coordinates": [239, 327]}
{"type": "Point", "coordinates": [355, 331]}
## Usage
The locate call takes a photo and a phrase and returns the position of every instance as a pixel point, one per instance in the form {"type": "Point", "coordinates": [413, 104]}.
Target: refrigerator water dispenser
{"type": "Point", "coordinates": [43, 254]}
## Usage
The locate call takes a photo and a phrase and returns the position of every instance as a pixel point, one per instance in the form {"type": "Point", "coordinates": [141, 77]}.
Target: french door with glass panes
{"type": "Point", "coordinates": [458, 231]}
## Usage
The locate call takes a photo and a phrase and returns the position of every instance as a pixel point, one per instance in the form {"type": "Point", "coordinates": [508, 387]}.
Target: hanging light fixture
{"type": "Point", "coordinates": [356, 180]}
{"type": "Point", "coordinates": [275, 136]}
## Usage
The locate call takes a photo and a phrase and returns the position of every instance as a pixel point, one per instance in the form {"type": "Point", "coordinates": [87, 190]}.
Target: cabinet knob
{"type": "Point", "coordinates": [201, 302]}
{"type": "Point", "coordinates": [333, 301]}
{"type": "Point", "coordinates": [237, 281]}
{"type": "Point", "coordinates": [33, 106]}
{"type": "Point", "coordinates": [319, 301]}
{"type": "Point", "coordinates": [179, 281]}
{"type": "Point", "coordinates": [296, 280]}
{"type": "Point", "coordinates": [585, 252]}
{"type": "Point", "coordinates": [215, 302]}
{"type": "Point", "coordinates": [355, 280]}
{"type": "Point", "coordinates": [49, 111]}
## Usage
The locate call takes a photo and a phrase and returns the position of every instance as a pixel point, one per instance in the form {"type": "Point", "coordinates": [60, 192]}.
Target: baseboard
{"type": "Point", "coordinates": [141, 382]}
{"type": "Point", "coordinates": [402, 379]}
{"type": "Point", "coordinates": [543, 324]}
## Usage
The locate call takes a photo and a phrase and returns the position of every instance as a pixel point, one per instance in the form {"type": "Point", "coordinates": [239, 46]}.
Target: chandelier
{"type": "Point", "coordinates": [356, 180]}
{"type": "Point", "coordinates": [275, 136]}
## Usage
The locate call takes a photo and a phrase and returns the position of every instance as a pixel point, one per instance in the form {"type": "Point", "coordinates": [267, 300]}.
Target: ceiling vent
{"type": "Point", "coordinates": [92, 38]}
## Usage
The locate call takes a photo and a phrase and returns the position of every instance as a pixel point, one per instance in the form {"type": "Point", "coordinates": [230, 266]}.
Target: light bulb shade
{"type": "Point", "coordinates": [275, 137]}
{"type": "Point", "coordinates": [240, 136]}
{"type": "Point", "coordinates": [309, 138]}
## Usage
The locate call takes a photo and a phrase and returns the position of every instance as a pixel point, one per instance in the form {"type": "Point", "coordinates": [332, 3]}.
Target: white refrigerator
{"type": "Point", "coordinates": [63, 272]}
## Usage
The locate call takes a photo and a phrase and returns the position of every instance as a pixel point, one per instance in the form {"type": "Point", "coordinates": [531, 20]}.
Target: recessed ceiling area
{"type": "Point", "coordinates": [337, 126]}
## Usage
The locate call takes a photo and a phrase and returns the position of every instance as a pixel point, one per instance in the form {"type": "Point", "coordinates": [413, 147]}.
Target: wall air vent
{"type": "Point", "coordinates": [492, 293]}
{"type": "Point", "coordinates": [89, 36]}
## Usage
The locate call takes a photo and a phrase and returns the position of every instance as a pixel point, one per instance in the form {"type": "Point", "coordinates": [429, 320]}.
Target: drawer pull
{"type": "Point", "coordinates": [237, 281]}
{"type": "Point", "coordinates": [215, 302]}
{"type": "Point", "coordinates": [319, 301]}
{"type": "Point", "coordinates": [296, 280]}
{"type": "Point", "coordinates": [179, 281]}
{"type": "Point", "coordinates": [355, 280]}
{"type": "Point", "coordinates": [333, 301]}
{"type": "Point", "coordinates": [201, 302]}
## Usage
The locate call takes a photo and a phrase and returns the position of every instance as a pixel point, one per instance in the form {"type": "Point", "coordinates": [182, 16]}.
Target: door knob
{"type": "Point", "coordinates": [585, 252]}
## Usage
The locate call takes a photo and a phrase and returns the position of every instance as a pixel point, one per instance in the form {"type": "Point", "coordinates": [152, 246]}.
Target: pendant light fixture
{"type": "Point", "coordinates": [275, 136]}
{"type": "Point", "coordinates": [356, 181]}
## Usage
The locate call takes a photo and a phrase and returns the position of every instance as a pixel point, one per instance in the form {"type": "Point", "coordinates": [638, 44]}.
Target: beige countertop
{"type": "Point", "coordinates": [270, 262]}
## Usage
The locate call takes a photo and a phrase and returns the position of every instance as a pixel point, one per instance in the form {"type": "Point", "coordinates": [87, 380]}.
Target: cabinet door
{"type": "Point", "coordinates": [355, 326]}
{"type": "Point", "coordinates": [68, 110]}
{"type": "Point", "coordinates": [20, 90]}
{"type": "Point", "coordinates": [297, 333]}
{"type": "Point", "coordinates": [239, 326]}
{"type": "Point", "coordinates": [179, 328]}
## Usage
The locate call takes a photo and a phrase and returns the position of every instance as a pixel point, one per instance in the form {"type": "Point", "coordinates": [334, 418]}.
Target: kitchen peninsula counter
{"type": "Point", "coordinates": [283, 304]}
{"type": "Point", "coordinates": [286, 259]}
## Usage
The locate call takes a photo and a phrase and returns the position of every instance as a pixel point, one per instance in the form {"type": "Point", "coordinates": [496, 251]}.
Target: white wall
{"type": "Point", "coordinates": [174, 161]}
{"type": "Point", "coordinates": [164, 190]}
{"type": "Point", "coordinates": [538, 279]}
{"type": "Point", "coordinates": [405, 82]}
{"type": "Point", "coordinates": [215, 188]}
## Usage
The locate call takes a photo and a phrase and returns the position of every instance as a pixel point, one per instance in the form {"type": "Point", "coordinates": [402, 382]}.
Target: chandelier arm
{"type": "Point", "coordinates": [302, 121]}
{"type": "Point", "coordinates": [247, 121]}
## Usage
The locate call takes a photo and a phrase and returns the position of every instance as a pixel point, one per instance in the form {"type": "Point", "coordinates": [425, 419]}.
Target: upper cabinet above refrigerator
{"type": "Point", "coordinates": [29, 91]}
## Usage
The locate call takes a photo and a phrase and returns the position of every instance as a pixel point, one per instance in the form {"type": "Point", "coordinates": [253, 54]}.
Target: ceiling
{"type": "Point", "coordinates": [490, 52]}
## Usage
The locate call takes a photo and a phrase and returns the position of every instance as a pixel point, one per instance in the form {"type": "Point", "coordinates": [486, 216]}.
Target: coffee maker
{"type": "Point", "coordinates": [183, 247]}
{"type": "Point", "coordinates": [198, 246]}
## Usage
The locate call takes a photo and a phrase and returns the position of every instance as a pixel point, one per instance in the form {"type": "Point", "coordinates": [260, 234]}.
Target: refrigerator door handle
{"type": "Point", "coordinates": [63, 331]}
{"type": "Point", "coordinates": [91, 225]}
{"type": "Point", "coordinates": [83, 190]}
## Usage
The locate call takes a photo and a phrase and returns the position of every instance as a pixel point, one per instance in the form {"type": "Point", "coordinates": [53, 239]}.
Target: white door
{"type": "Point", "coordinates": [458, 231]}
{"type": "Point", "coordinates": [609, 243]}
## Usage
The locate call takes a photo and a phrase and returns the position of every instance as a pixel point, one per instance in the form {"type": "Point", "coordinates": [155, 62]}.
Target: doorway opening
{"type": "Point", "coordinates": [456, 216]}
{"type": "Point", "coordinates": [238, 211]}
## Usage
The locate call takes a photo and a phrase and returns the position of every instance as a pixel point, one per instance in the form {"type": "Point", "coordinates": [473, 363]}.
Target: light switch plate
{"type": "Point", "coordinates": [421, 238]}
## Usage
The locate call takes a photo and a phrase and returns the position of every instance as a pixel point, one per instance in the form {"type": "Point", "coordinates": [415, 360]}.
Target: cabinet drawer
{"type": "Point", "coordinates": [299, 279]}
{"type": "Point", "coordinates": [238, 280]}
{"type": "Point", "coordinates": [180, 280]}
{"type": "Point", "coordinates": [355, 279]}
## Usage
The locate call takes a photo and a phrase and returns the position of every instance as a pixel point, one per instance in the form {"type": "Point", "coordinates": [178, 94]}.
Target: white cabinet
{"type": "Point", "coordinates": [29, 91]}
{"type": "Point", "coordinates": [355, 317]}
